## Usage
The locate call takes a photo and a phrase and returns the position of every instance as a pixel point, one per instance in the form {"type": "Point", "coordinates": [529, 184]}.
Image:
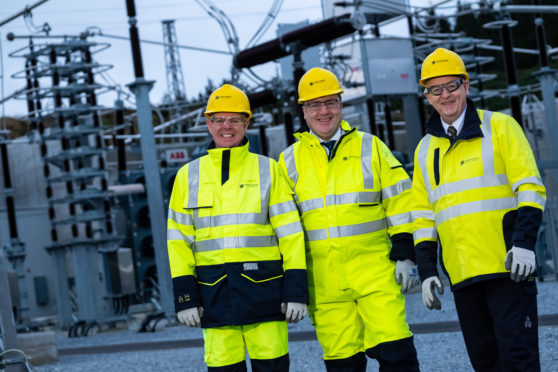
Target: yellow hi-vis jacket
{"type": "Point", "coordinates": [479, 196]}
{"type": "Point", "coordinates": [235, 242]}
{"type": "Point", "coordinates": [350, 205]}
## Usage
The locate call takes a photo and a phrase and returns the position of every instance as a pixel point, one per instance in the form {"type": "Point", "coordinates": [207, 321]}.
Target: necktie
{"type": "Point", "coordinates": [452, 133]}
{"type": "Point", "coordinates": [329, 145]}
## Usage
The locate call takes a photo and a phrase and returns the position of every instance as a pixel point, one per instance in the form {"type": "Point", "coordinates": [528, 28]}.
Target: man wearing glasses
{"type": "Point", "coordinates": [478, 193]}
{"type": "Point", "coordinates": [236, 246]}
{"type": "Point", "coordinates": [354, 197]}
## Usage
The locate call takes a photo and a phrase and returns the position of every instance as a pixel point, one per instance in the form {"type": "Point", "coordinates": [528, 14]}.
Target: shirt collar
{"type": "Point", "coordinates": [335, 137]}
{"type": "Point", "coordinates": [457, 124]}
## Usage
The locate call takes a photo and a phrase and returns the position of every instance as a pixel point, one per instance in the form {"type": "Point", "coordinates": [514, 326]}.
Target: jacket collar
{"type": "Point", "coordinates": [211, 145]}
{"type": "Point", "coordinates": [237, 153]}
{"type": "Point", "coordinates": [471, 124]}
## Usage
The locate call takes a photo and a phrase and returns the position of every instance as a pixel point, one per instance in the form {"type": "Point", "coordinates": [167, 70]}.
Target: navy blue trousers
{"type": "Point", "coordinates": [499, 322]}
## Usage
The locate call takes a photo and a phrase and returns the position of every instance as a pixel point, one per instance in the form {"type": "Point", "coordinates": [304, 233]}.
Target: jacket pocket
{"type": "Point", "coordinates": [261, 290]}
{"type": "Point", "coordinates": [368, 199]}
{"type": "Point", "coordinates": [368, 204]}
{"type": "Point", "coordinates": [201, 211]}
{"type": "Point", "coordinates": [214, 293]}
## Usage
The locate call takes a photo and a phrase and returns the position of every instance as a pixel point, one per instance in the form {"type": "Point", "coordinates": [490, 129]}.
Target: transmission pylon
{"type": "Point", "coordinates": [176, 89]}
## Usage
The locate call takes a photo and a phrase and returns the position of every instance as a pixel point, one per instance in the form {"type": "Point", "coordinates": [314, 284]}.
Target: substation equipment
{"type": "Point", "coordinates": [67, 176]}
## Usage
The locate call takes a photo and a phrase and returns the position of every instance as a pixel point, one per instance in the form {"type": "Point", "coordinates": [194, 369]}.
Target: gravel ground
{"type": "Point", "coordinates": [436, 351]}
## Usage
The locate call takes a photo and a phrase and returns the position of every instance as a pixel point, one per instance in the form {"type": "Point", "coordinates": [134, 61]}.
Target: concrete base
{"type": "Point", "coordinates": [40, 347]}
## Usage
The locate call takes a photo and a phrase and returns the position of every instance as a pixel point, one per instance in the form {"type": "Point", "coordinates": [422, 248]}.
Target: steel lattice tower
{"type": "Point", "coordinates": [176, 89]}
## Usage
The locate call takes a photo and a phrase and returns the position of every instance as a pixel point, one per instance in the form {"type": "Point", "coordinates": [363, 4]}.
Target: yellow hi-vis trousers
{"type": "Point", "coordinates": [359, 323]}
{"type": "Point", "coordinates": [227, 345]}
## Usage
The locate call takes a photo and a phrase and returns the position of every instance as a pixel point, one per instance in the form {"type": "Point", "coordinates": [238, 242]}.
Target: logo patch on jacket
{"type": "Point", "coordinates": [186, 298]}
{"type": "Point", "coordinates": [249, 183]}
{"type": "Point", "coordinates": [250, 266]}
{"type": "Point", "coordinates": [468, 160]}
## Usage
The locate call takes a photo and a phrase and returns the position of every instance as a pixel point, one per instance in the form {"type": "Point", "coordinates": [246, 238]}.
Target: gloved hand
{"type": "Point", "coordinates": [406, 274]}
{"type": "Point", "coordinates": [294, 311]}
{"type": "Point", "coordinates": [191, 317]}
{"type": "Point", "coordinates": [428, 296]}
{"type": "Point", "coordinates": [521, 263]}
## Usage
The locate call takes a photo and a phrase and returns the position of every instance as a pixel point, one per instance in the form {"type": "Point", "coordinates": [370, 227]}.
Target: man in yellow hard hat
{"type": "Point", "coordinates": [478, 193]}
{"type": "Point", "coordinates": [353, 196]}
{"type": "Point", "coordinates": [236, 246]}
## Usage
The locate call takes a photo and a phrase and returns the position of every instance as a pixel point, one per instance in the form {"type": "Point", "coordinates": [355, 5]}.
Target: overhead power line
{"type": "Point", "coordinates": [165, 44]}
{"type": "Point", "coordinates": [27, 10]}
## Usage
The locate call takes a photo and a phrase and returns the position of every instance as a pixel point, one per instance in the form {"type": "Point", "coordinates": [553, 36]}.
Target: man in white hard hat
{"type": "Point", "coordinates": [478, 193]}
{"type": "Point", "coordinates": [236, 246]}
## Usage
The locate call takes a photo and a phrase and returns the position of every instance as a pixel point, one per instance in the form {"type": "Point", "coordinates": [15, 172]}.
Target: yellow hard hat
{"type": "Point", "coordinates": [228, 98]}
{"type": "Point", "coordinates": [317, 82]}
{"type": "Point", "coordinates": [442, 62]}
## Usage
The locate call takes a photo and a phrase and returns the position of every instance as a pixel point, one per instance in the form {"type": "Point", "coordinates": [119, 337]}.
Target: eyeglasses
{"type": "Point", "coordinates": [331, 104]}
{"type": "Point", "coordinates": [451, 86]}
{"type": "Point", "coordinates": [235, 121]}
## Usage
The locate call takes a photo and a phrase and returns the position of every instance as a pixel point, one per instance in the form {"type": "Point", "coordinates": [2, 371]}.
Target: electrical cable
{"type": "Point", "coordinates": [250, 78]}
{"type": "Point", "coordinates": [3, 125]}
{"type": "Point", "coordinates": [254, 75]}
{"type": "Point", "coordinates": [163, 44]}
{"type": "Point", "coordinates": [224, 22]}
{"type": "Point", "coordinates": [268, 20]}
{"type": "Point", "coordinates": [25, 357]}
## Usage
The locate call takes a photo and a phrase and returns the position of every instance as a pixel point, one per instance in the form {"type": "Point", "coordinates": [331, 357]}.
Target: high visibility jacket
{"type": "Point", "coordinates": [478, 196]}
{"type": "Point", "coordinates": [234, 238]}
{"type": "Point", "coordinates": [350, 205]}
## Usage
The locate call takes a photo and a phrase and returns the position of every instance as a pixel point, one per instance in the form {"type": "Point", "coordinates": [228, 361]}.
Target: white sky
{"type": "Point", "coordinates": [193, 26]}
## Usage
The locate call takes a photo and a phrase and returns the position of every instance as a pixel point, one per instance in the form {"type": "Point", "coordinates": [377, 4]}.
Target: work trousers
{"type": "Point", "coordinates": [499, 322]}
{"type": "Point", "coordinates": [267, 345]}
{"type": "Point", "coordinates": [373, 324]}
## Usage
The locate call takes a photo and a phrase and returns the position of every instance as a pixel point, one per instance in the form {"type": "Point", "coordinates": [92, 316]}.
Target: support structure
{"type": "Point", "coordinates": [74, 167]}
{"type": "Point", "coordinates": [141, 87]}
{"type": "Point", "coordinates": [509, 60]}
{"type": "Point", "coordinates": [547, 77]}
{"type": "Point", "coordinates": [176, 88]}
{"type": "Point", "coordinates": [8, 335]}
{"type": "Point", "coordinates": [15, 250]}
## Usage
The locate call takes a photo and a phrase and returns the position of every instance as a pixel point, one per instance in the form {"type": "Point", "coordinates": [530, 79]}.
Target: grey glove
{"type": "Point", "coordinates": [406, 274]}
{"type": "Point", "coordinates": [521, 263]}
{"type": "Point", "coordinates": [294, 311]}
{"type": "Point", "coordinates": [191, 317]}
{"type": "Point", "coordinates": [428, 296]}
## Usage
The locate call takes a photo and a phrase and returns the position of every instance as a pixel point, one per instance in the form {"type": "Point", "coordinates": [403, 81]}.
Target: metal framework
{"type": "Point", "coordinates": [61, 95]}
{"type": "Point", "coordinates": [176, 89]}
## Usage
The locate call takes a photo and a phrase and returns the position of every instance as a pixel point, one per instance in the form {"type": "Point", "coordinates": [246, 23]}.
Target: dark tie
{"type": "Point", "coordinates": [329, 145]}
{"type": "Point", "coordinates": [452, 133]}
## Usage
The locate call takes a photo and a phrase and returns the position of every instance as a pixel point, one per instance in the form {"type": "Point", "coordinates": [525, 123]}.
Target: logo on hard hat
{"type": "Point", "coordinates": [316, 82]}
{"type": "Point", "coordinates": [440, 60]}
{"type": "Point", "coordinates": [217, 97]}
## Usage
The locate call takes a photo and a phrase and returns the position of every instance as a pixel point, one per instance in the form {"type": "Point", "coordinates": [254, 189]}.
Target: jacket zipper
{"type": "Point", "coordinates": [334, 150]}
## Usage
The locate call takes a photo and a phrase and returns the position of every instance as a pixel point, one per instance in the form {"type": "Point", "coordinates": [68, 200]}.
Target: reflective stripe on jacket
{"type": "Point", "coordinates": [234, 237]}
{"type": "Point", "coordinates": [479, 196]}
{"type": "Point", "coordinates": [350, 205]}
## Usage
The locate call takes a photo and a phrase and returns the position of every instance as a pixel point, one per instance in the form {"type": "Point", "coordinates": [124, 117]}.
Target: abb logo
{"type": "Point", "coordinates": [176, 156]}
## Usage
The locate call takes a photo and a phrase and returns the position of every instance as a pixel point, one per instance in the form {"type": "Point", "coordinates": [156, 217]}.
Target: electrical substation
{"type": "Point", "coordinates": [85, 190]}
